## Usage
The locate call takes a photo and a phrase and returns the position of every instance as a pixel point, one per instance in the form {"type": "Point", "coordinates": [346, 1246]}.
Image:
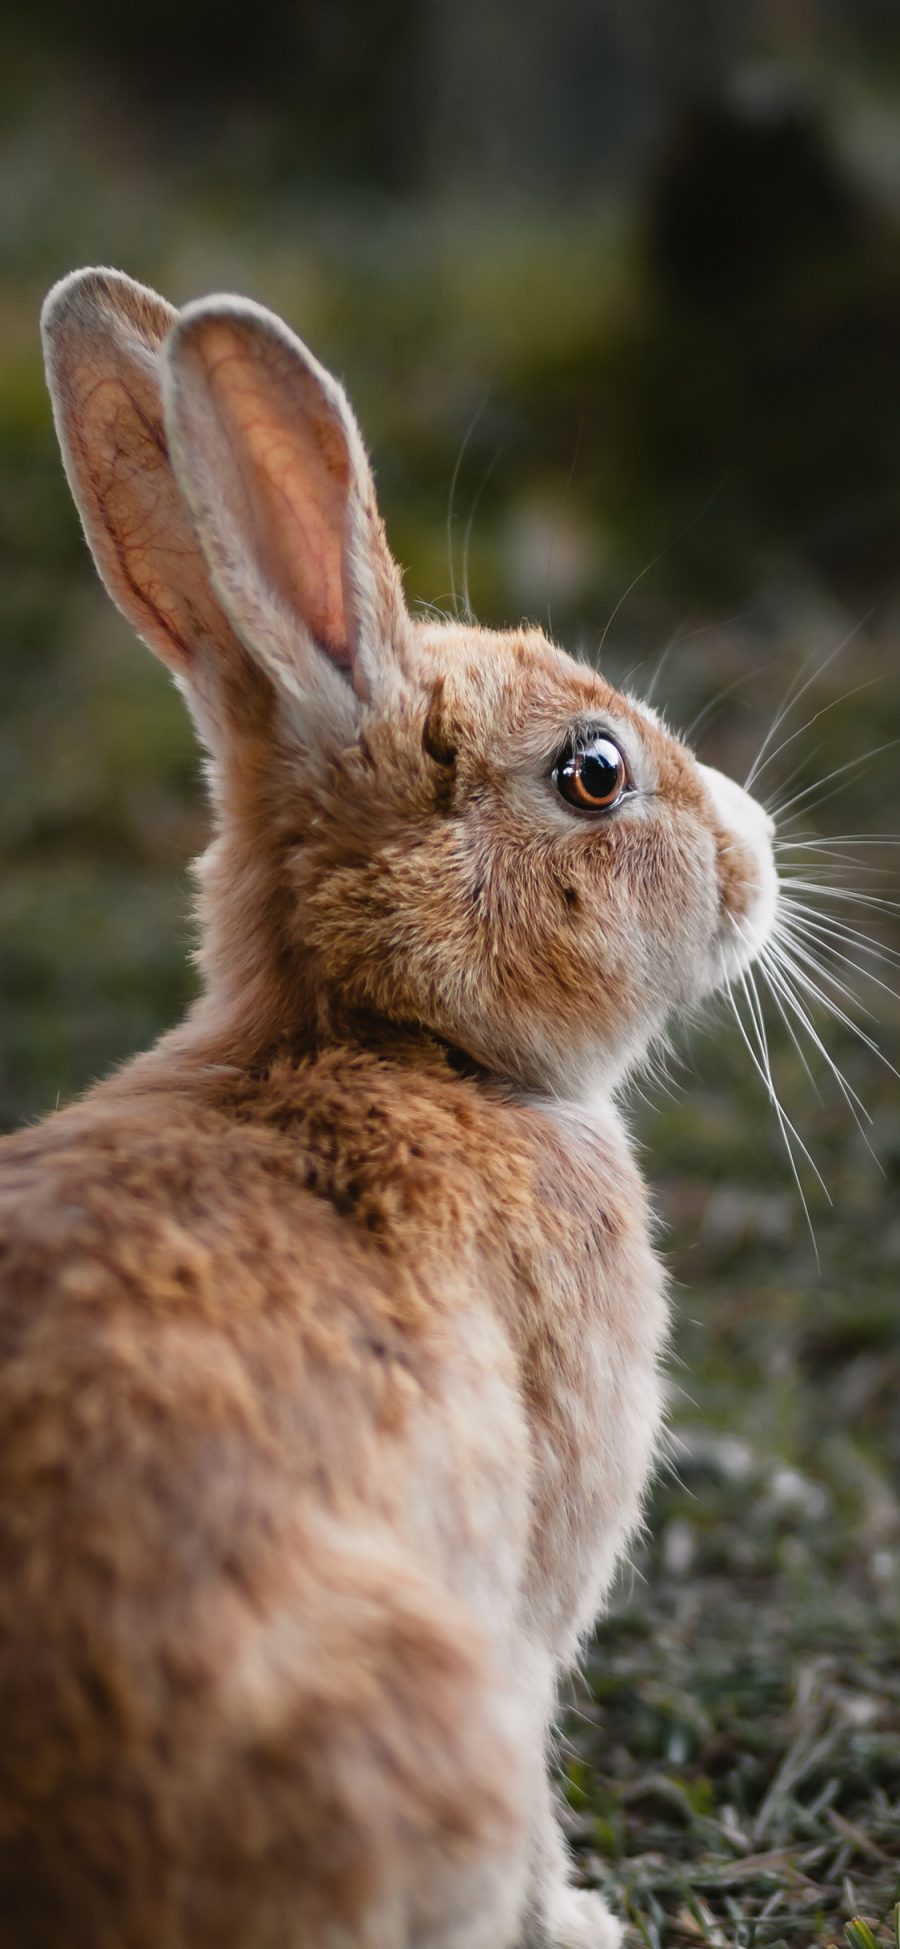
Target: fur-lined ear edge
{"type": "Point", "coordinates": [272, 466]}
{"type": "Point", "coordinates": [103, 335]}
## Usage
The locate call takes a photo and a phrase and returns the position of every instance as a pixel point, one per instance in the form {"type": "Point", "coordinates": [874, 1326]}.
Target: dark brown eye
{"type": "Point", "coordinates": [592, 774]}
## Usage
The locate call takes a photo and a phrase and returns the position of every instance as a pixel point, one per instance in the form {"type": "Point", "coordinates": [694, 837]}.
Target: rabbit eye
{"type": "Point", "coordinates": [592, 774]}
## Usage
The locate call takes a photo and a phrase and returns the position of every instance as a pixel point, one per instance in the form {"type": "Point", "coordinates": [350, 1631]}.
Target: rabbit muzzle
{"type": "Point", "coordinates": [748, 879]}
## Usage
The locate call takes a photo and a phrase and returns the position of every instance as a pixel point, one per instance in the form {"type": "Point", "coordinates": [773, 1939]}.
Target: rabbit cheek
{"type": "Point", "coordinates": [736, 872]}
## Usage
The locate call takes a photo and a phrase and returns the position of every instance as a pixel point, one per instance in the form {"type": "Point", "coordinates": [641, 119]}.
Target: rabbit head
{"type": "Point", "coordinates": [423, 824]}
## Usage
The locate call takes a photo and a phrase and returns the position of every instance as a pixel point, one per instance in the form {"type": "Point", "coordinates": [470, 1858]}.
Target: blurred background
{"type": "Point", "coordinates": [615, 288]}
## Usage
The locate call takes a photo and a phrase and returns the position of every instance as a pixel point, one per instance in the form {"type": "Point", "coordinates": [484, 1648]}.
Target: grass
{"type": "Point", "coordinates": [733, 1762]}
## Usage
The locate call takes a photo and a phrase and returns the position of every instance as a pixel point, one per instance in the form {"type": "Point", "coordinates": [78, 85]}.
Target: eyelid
{"type": "Point", "coordinates": [566, 741]}
{"type": "Point", "coordinates": [581, 735]}
{"type": "Point", "coordinates": [586, 728]}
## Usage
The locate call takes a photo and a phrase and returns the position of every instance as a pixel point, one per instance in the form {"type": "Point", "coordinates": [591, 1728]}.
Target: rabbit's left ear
{"type": "Point", "coordinates": [103, 336]}
{"type": "Point", "coordinates": [272, 466]}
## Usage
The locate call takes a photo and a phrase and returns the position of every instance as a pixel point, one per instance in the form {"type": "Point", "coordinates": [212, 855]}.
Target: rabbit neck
{"type": "Point", "coordinates": [477, 1204]}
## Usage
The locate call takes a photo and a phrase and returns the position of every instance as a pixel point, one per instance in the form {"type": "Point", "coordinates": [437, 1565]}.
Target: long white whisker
{"type": "Point", "coordinates": [784, 1122]}
{"type": "Point", "coordinates": [558, 518]}
{"type": "Point", "coordinates": [682, 536]}
{"type": "Point", "coordinates": [712, 703]}
{"type": "Point", "coordinates": [827, 1001]}
{"type": "Point", "coordinates": [840, 839]}
{"type": "Point", "coordinates": [812, 934]}
{"type": "Point", "coordinates": [793, 696]}
{"type": "Point", "coordinates": [838, 772]}
{"type": "Point", "coordinates": [824, 973]}
{"type": "Point", "coordinates": [778, 966]}
{"type": "Point", "coordinates": [823, 889]}
{"type": "Point", "coordinates": [817, 858]}
{"type": "Point", "coordinates": [815, 805]}
{"type": "Point", "coordinates": [452, 495]}
{"type": "Point", "coordinates": [757, 773]}
{"type": "Point", "coordinates": [767, 964]}
{"type": "Point", "coordinates": [747, 983]}
{"type": "Point", "coordinates": [750, 989]}
{"type": "Point", "coordinates": [832, 866]}
{"type": "Point", "coordinates": [467, 539]}
{"type": "Point", "coordinates": [771, 802]}
{"type": "Point", "coordinates": [809, 920]}
{"type": "Point", "coordinates": [779, 981]}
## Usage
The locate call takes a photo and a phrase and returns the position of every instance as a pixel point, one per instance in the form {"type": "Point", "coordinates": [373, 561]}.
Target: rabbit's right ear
{"type": "Point", "coordinates": [272, 466]}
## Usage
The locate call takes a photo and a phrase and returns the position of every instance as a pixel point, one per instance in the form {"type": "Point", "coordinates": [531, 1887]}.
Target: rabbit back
{"type": "Point", "coordinates": [263, 1514]}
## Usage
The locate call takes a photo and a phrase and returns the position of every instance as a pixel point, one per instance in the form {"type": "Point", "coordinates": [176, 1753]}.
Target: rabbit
{"type": "Point", "coordinates": [332, 1326]}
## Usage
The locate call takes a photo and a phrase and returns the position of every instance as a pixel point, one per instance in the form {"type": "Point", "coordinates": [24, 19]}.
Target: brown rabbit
{"type": "Point", "coordinates": [331, 1326]}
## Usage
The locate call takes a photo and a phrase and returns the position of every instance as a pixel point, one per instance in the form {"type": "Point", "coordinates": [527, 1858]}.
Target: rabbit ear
{"type": "Point", "coordinates": [272, 466]}
{"type": "Point", "coordinates": [102, 337]}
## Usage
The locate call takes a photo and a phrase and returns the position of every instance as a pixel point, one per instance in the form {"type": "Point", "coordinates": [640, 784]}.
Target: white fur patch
{"type": "Point", "coordinates": [752, 827]}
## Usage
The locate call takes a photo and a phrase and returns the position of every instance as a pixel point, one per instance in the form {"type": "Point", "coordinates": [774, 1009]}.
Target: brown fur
{"type": "Point", "coordinates": [330, 1327]}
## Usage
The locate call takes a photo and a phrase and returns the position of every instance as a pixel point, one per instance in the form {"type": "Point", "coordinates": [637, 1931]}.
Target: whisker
{"type": "Point", "coordinates": [562, 503]}
{"type": "Point", "coordinates": [783, 1122]}
{"type": "Point", "coordinates": [793, 695]}
{"type": "Point", "coordinates": [830, 863]}
{"type": "Point", "coordinates": [851, 1096]}
{"type": "Point", "coordinates": [467, 539]}
{"type": "Point", "coordinates": [713, 703]}
{"type": "Point", "coordinates": [858, 966]}
{"type": "Point", "coordinates": [778, 981]}
{"type": "Point", "coordinates": [766, 966]}
{"type": "Point", "coordinates": [779, 962]}
{"type": "Point", "coordinates": [879, 902]}
{"type": "Point", "coordinates": [823, 712]}
{"type": "Point", "coordinates": [838, 771]}
{"type": "Point", "coordinates": [674, 543]}
{"type": "Point", "coordinates": [794, 944]}
{"type": "Point", "coordinates": [839, 925]}
{"type": "Point", "coordinates": [842, 839]}
{"type": "Point", "coordinates": [791, 975]}
{"type": "Point", "coordinates": [664, 656]}
{"type": "Point", "coordinates": [452, 496]}
{"type": "Point", "coordinates": [827, 1001]}
{"type": "Point", "coordinates": [771, 801]}
{"type": "Point", "coordinates": [809, 920]}
{"type": "Point", "coordinates": [747, 983]}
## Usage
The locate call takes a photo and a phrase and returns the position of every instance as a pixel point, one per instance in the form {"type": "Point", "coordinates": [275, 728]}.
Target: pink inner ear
{"type": "Point", "coordinates": [124, 449]}
{"type": "Point", "coordinates": [103, 362]}
{"type": "Point", "coordinates": [294, 473]}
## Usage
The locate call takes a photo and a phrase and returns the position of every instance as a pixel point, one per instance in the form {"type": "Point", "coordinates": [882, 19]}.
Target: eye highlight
{"type": "Point", "coordinates": [592, 774]}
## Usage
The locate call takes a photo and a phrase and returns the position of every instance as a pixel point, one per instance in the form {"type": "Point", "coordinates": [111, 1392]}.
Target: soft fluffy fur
{"type": "Point", "coordinates": [331, 1327]}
